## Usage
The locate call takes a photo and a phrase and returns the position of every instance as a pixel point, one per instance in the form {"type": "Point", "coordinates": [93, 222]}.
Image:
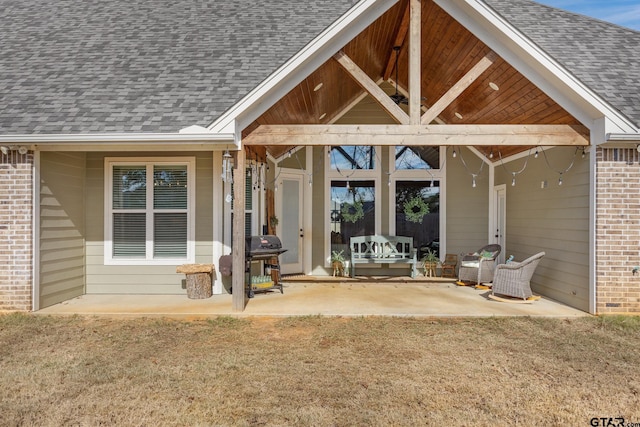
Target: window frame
{"type": "Point", "coordinates": [351, 175]}
{"type": "Point", "coordinates": [418, 175]}
{"type": "Point", "coordinates": [149, 163]}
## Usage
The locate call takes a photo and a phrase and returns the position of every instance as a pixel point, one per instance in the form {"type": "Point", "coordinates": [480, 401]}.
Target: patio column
{"type": "Point", "coordinates": [238, 239]}
{"type": "Point", "coordinates": [414, 62]}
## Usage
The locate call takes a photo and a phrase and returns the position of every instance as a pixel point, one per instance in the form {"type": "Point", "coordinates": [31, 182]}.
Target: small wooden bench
{"type": "Point", "coordinates": [198, 279]}
{"type": "Point", "coordinates": [383, 250]}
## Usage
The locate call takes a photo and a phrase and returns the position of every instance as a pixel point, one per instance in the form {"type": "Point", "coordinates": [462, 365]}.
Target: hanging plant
{"type": "Point", "coordinates": [351, 212]}
{"type": "Point", "coordinates": [415, 209]}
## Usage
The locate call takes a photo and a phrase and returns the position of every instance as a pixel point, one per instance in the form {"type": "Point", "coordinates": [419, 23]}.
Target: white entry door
{"type": "Point", "coordinates": [500, 220]}
{"type": "Point", "coordinates": [289, 208]}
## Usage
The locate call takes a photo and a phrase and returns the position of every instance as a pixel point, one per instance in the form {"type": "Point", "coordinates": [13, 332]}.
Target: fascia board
{"type": "Point", "coordinates": [301, 65]}
{"type": "Point", "coordinates": [123, 141]}
{"type": "Point", "coordinates": [535, 64]}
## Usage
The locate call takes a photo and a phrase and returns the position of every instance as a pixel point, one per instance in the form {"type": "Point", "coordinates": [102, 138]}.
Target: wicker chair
{"type": "Point", "coordinates": [478, 267]}
{"type": "Point", "coordinates": [513, 279]}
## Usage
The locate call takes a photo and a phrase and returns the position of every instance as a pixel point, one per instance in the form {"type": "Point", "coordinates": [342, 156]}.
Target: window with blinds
{"type": "Point", "coordinates": [149, 210]}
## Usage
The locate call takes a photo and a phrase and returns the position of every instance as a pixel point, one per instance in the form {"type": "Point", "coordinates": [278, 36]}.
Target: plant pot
{"type": "Point", "coordinates": [338, 268]}
{"type": "Point", "coordinates": [430, 269]}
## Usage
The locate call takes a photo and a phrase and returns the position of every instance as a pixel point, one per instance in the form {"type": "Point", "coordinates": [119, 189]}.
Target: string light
{"type": "Point", "coordinates": [454, 154]}
{"type": "Point", "coordinates": [535, 156]}
{"type": "Point", "coordinates": [514, 173]}
{"type": "Point", "coordinates": [474, 175]}
{"type": "Point", "coordinates": [561, 172]}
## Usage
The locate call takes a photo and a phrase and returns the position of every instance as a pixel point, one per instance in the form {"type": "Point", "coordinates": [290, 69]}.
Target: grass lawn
{"type": "Point", "coordinates": [318, 371]}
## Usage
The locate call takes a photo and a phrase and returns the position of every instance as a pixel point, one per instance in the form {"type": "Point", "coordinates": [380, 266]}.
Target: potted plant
{"type": "Point", "coordinates": [430, 261]}
{"type": "Point", "coordinates": [337, 262]}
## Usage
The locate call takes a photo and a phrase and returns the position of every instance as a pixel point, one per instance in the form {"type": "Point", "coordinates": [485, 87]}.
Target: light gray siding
{"type": "Point", "coordinates": [163, 279]}
{"type": "Point", "coordinates": [62, 227]}
{"type": "Point", "coordinates": [467, 207]}
{"type": "Point", "coordinates": [554, 219]}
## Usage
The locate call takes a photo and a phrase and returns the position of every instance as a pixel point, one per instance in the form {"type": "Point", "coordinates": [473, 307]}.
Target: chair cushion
{"type": "Point", "coordinates": [473, 264]}
{"type": "Point", "coordinates": [487, 254]}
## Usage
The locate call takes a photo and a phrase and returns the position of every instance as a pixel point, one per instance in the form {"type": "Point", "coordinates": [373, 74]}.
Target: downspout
{"type": "Point", "coordinates": [35, 238]}
{"type": "Point", "coordinates": [592, 226]}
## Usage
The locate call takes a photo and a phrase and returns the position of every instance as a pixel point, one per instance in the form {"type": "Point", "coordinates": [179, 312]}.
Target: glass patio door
{"type": "Point", "coordinates": [289, 202]}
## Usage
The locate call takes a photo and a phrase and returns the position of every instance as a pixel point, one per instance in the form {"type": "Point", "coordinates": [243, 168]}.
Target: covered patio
{"type": "Point", "coordinates": [365, 296]}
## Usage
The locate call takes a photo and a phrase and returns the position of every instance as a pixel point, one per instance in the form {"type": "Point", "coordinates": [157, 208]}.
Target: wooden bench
{"type": "Point", "coordinates": [383, 250]}
{"type": "Point", "coordinates": [198, 279]}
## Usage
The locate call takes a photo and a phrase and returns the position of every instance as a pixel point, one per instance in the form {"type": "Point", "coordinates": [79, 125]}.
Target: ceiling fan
{"type": "Point", "coordinates": [397, 97]}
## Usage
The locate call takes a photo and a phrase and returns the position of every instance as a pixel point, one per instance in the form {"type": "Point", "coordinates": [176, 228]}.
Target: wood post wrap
{"type": "Point", "coordinates": [198, 279]}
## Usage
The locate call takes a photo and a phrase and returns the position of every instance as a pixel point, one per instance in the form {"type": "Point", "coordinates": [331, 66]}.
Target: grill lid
{"type": "Point", "coordinates": [263, 245]}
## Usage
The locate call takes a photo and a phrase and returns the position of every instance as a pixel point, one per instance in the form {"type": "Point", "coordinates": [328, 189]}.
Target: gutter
{"type": "Point", "coordinates": [623, 137]}
{"type": "Point", "coordinates": [199, 141]}
{"type": "Point", "coordinates": [109, 138]}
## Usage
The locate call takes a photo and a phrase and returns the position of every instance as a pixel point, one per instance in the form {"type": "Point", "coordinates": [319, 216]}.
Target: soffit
{"type": "Point", "coordinates": [449, 51]}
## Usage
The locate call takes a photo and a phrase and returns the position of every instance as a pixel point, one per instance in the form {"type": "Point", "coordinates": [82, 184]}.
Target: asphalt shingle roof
{"type": "Point", "coordinates": [604, 56]}
{"type": "Point", "coordinates": [84, 66]}
{"type": "Point", "coordinates": [80, 66]}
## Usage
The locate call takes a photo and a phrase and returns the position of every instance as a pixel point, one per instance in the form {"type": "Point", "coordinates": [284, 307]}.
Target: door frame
{"type": "Point", "coordinates": [297, 174]}
{"type": "Point", "coordinates": [499, 212]}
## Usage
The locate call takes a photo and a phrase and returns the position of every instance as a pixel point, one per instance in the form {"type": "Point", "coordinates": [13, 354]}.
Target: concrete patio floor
{"type": "Point", "coordinates": [327, 297]}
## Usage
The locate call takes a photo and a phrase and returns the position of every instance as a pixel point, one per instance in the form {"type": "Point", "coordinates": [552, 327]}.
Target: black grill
{"type": "Point", "coordinates": [263, 247]}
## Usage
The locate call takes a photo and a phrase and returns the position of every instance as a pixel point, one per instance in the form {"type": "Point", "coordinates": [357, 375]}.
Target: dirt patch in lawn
{"type": "Point", "coordinates": [318, 371]}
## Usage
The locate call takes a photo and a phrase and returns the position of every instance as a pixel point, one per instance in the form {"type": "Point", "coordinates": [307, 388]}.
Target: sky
{"type": "Point", "coordinates": [621, 12]}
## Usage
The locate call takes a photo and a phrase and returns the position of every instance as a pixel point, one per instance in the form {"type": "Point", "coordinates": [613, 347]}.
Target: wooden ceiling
{"type": "Point", "coordinates": [449, 51]}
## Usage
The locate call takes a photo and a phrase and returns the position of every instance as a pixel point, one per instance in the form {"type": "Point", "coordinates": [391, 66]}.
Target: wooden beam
{"type": "Point", "coordinates": [371, 88]}
{"type": "Point", "coordinates": [460, 86]}
{"type": "Point", "coordinates": [419, 135]}
{"type": "Point", "coordinates": [415, 64]}
{"type": "Point", "coordinates": [238, 300]}
{"type": "Point", "coordinates": [399, 41]}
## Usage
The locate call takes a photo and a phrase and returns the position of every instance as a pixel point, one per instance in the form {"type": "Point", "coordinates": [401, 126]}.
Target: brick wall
{"type": "Point", "coordinates": [16, 215]}
{"type": "Point", "coordinates": [617, 230]}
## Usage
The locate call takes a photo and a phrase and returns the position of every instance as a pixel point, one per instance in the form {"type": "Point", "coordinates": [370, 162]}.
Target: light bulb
{"type": "Point", "coordinates": [513, 180]}
{"type": "Point", "coordinates": [473, 182]}
{"type": "Point", "coordinates": [348, 186]}
{"type": "Point", "coordinates": [535, 156]}
{"type": "Point", "coordinates": [454, 153]}
{"type": "Point", "coordinates": [560, 180]}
